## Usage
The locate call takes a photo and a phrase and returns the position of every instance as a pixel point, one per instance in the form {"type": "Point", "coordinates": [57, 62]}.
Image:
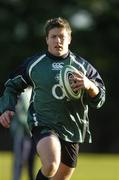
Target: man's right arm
{"type": "Point", "coordinates": [15, 85]}
{"type": "Point", "coordinates": [17, 82]}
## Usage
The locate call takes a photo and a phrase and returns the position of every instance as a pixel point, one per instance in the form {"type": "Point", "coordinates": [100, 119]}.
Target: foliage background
{"type": "Point", "coordinates": [95, 26]}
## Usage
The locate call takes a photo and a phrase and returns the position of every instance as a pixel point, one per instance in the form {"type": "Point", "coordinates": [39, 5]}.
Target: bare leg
{"type": "Point", "coordinates": [49, 150]}
{"type": "Point", "coordinates": [64, 173]}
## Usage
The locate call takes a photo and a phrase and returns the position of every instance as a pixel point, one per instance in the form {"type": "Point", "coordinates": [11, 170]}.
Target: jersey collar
{"type": "Point", "coordinates": [56, 57]}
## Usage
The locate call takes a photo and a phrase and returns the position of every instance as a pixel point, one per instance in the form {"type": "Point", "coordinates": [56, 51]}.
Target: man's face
{"type": "Point", "coordinates": [58, 41]}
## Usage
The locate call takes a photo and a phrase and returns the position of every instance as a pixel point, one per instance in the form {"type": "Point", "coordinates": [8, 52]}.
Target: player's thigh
{"type": "Point", "coordinates": [64, 172]}
{"type": "Point", "coordinates": [49, 149]}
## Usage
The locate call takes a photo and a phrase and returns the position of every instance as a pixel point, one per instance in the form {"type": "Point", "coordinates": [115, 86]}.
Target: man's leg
{"type": "Point", "coordinates": [69, 155]}
{"type": "Point", "coordinates": [40, 176]}
{"type": "Point", "coordinates": [64, 173]}
{"type": "Point", "coordinates": [49, 150]}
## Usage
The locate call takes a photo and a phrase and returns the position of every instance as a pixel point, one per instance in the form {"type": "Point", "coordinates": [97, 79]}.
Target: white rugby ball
{"type": "Point", "coordinates": [65, 73]}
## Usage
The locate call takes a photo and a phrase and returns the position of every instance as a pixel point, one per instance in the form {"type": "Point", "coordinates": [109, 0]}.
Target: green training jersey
{"type": "Point", "coordinates": [49, 106]}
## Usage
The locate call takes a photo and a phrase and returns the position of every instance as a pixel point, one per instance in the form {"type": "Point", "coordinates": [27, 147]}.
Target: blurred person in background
{"type": "Point", "coordinates": [23, 146]}
{"type": "Point", "coordinates": [57, 123]}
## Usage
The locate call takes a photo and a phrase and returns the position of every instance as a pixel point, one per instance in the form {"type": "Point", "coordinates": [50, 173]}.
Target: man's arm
{"type": "Point", "coordinates": [93, 86]}
{"type": "Point", "coordinates": [82, 82]}
{"type": "Point", "coordinates": [14, 86]}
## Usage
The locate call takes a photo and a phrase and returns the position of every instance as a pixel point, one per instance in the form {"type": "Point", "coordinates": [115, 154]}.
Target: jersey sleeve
{"type": "Point", "coordinates": [15, 85]}
{"type": "Point", "coordinates": [95, 77]}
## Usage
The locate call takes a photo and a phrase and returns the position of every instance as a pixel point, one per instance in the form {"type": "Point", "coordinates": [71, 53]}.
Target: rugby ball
{"type": "Point", "coordinates": [64, 82]}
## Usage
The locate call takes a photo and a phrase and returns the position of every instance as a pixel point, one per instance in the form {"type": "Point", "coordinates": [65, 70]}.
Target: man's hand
{"type": "Point", "coordinates": [80, 81]}
{"type": "Point", "coordinates": [6, 118]}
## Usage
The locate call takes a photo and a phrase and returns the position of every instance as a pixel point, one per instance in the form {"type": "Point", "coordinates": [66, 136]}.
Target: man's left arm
{"type": "Point", "coordinates": [92, 85]}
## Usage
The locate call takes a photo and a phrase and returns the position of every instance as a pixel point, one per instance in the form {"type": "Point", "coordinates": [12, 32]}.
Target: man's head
{"type": "Point", "coordinates": [58, 36]}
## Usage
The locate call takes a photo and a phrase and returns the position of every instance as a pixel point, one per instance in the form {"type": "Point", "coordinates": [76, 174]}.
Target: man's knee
{"type": "Point", "coordinates": [50, 168]}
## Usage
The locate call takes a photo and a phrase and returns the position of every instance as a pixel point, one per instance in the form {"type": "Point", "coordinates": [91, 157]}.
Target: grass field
{"type": "Point", "coordinates": [90, 167]}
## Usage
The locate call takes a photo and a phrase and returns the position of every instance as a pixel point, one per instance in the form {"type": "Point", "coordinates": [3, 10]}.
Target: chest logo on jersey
{"type": "Point", "coordinates": [57, 66]}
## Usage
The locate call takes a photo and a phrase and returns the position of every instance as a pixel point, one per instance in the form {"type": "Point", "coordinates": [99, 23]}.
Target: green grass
{"type": "Point", "coordinates": [90, 167]}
